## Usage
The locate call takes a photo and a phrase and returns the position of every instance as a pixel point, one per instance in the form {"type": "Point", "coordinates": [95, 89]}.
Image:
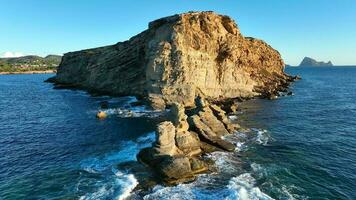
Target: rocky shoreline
{"type": "Point", "coordinates": [196, 64]}
{"type": "Point", "coordinates": [189, 134]}
{"type": "Point", "coordinates": [29, 72]}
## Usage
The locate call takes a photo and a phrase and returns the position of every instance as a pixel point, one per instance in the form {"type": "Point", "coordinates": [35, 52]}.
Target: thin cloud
{"type": "Point", "coordinates": [10, 54]}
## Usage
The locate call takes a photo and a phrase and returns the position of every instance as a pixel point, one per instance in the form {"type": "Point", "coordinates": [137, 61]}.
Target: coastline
{"type": "Point", "coordinates": [29, 72]}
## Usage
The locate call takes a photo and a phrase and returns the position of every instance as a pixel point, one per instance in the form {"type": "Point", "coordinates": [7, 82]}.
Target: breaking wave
{"type": "Point", "coordinates": [125, 107]}
{"type": "Point", "coordinates": [102, 175]}
{"type": "Point", "coordinates": [243, 185]}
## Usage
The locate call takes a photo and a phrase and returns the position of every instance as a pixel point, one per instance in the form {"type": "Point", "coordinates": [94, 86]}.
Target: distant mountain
{"type": "Point", "coordinates": [310, 62]}
{"type": "Point", "coordinates": [29, 63]}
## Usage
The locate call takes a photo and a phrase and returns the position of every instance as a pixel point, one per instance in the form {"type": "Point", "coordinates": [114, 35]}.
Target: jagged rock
{"type": "Point", "coordinates": [208, 135]}
{"type": "Point", "coordinates": [188, 142]}
{"type": "Point", "coordinates": [198, 166]}
{"type": "Point", "coordinates": [208, 148]}
{"type": "Point", "coordinates": [156, 101]}
{"type": "Point", "coordinates": [179, 117]}
{"type": "Point", "coordinates": [178, 58]}
{"type": "Point", "coordinates": [172, 169]}
{"type": "Point", "coordinates": [221, 116]}
{"type": "Point", "coordinates": [234, 107]}
{"type": "Point", "coordinates": [208, 118]}
{"type": "Point", "coordinates": [176, 167]}
{"type": "Point", "coordinates": [165, 139]}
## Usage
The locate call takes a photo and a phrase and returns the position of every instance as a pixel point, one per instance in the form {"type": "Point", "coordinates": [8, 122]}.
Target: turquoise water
{"type": "Point", "coordinates": [297, 147]}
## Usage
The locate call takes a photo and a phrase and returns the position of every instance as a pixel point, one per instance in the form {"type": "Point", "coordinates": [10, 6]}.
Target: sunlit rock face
{"type": "Point", "coordinates": [178, 58]}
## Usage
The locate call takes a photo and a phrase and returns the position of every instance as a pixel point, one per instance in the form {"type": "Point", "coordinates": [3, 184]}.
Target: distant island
{"type": "Point", "coordinates": [29, 64]}
{"type": "Point", "coordinates": [310, 62]}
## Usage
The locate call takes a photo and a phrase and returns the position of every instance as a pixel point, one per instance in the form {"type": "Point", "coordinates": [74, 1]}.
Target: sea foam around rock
{"type": "Point", "coordinates": [109, 182]}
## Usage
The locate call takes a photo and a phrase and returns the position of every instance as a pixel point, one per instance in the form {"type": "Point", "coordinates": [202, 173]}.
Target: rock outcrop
{"type": "Point", "coordinates": [176, 153]}
{"type": "Point", "coordinates": [198, 64]}
{"type": "Point", "coordinates": [176, 59]}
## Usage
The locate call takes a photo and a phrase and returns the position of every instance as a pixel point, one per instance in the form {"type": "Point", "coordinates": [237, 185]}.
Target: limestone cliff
{"type": "Point", "coordinates": [178, 58]}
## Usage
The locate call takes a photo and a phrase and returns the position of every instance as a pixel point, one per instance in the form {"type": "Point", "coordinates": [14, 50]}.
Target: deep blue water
{"type": "Point", "coordinates": [296, 147]}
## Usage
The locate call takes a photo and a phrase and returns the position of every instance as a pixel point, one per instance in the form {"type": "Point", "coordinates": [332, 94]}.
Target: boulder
{"type": "Point", "coordinates": [208, 118]}
{"type": "Point", "coordinates": [179, 118]}
{"type": "Point", "coordinates": [221, 116]}
{"type": "Point", "coordinates": [175, 167]}
{"type": "Point", "coordinates": [188, 142]}
{"type": "Point", "coordinates": [198, 166]}
{"type": "Point", "coordinates": [165, 139]}
{"type": "Point", "coordinates": [101, 115]}
{"type": "Point", "coordinates": [208, 135]}
{"type": "Point", "coordinates": [156, 101]}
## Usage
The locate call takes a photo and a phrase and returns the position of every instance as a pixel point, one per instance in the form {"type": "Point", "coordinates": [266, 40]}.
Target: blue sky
{"type": "Point", "coordinates": [322, 29]}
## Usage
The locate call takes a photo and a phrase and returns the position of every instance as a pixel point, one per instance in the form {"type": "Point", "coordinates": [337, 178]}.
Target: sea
{"type": "Point", "coordinates": [302, 146]}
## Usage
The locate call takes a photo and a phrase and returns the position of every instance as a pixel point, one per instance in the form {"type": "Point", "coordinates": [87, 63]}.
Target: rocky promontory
{"type": "Point", "coordinates": [196, 64]}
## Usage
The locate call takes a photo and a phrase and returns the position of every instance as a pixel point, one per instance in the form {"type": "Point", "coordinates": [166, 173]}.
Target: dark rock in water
{"type": "Point", "coordinates": [137, 103]}
{"type": "Point", "coordinates": [176, 167]}
{"type": "Point", "coordinates": [104, 105]}
{"type": "Point", "coordinates": [51, 80]}
{"type": "Point", "coordinates": [297, 77]}
{"type": "Point", "coordinates": [310, 62]}
{"type": "Point", "coordinates": [290, 93]}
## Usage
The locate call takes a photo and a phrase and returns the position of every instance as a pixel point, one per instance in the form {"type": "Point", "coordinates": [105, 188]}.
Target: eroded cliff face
{"type": "Point", "coordinates": [178, 58]}
{"type": "Point", "coordinates": [196, 63]}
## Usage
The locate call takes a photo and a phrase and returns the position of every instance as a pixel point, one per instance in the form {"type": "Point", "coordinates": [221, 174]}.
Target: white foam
{"type": "Point", "coordinates": [262, 137]}
{"type": "Point", "coordinates": [118, 187]}
{"type": "Point", "coordinates": [242, 187]}
{"type": "Point", "coordinates": [233, 117]}
{"type": "Point", "coordinates": [113, 183]}
{"type": "Point", "coordinates": [126, 110]}
{"type": "Point", "coordinates": [137, 111]}
{"type": "Point", "coordinates": [225, 161]}
{"type": "Point", "coordinates": [127, 186]}
{"type": "Point", "coordinates": [100, 194]}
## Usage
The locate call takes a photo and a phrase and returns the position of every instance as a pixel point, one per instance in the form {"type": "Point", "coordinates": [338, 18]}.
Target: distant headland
{"type": "Point", "coordinates": [29, 64]}
{"type": "Point", "coordinates": [310, 62]}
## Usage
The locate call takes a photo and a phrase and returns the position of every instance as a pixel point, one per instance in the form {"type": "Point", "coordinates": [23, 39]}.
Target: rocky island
{"type": "Point", "coordinates": [198, 65]}
{"type": "Point", "coordinates": [310, 62]}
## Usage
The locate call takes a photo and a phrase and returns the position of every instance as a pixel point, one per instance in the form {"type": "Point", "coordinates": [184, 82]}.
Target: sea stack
{"type": "Point", "coordinates": [197, 64]}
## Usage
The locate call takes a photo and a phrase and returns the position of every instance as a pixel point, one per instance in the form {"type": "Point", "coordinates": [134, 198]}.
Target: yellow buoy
{"type": "Point", "coordinates": [101, 115]}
